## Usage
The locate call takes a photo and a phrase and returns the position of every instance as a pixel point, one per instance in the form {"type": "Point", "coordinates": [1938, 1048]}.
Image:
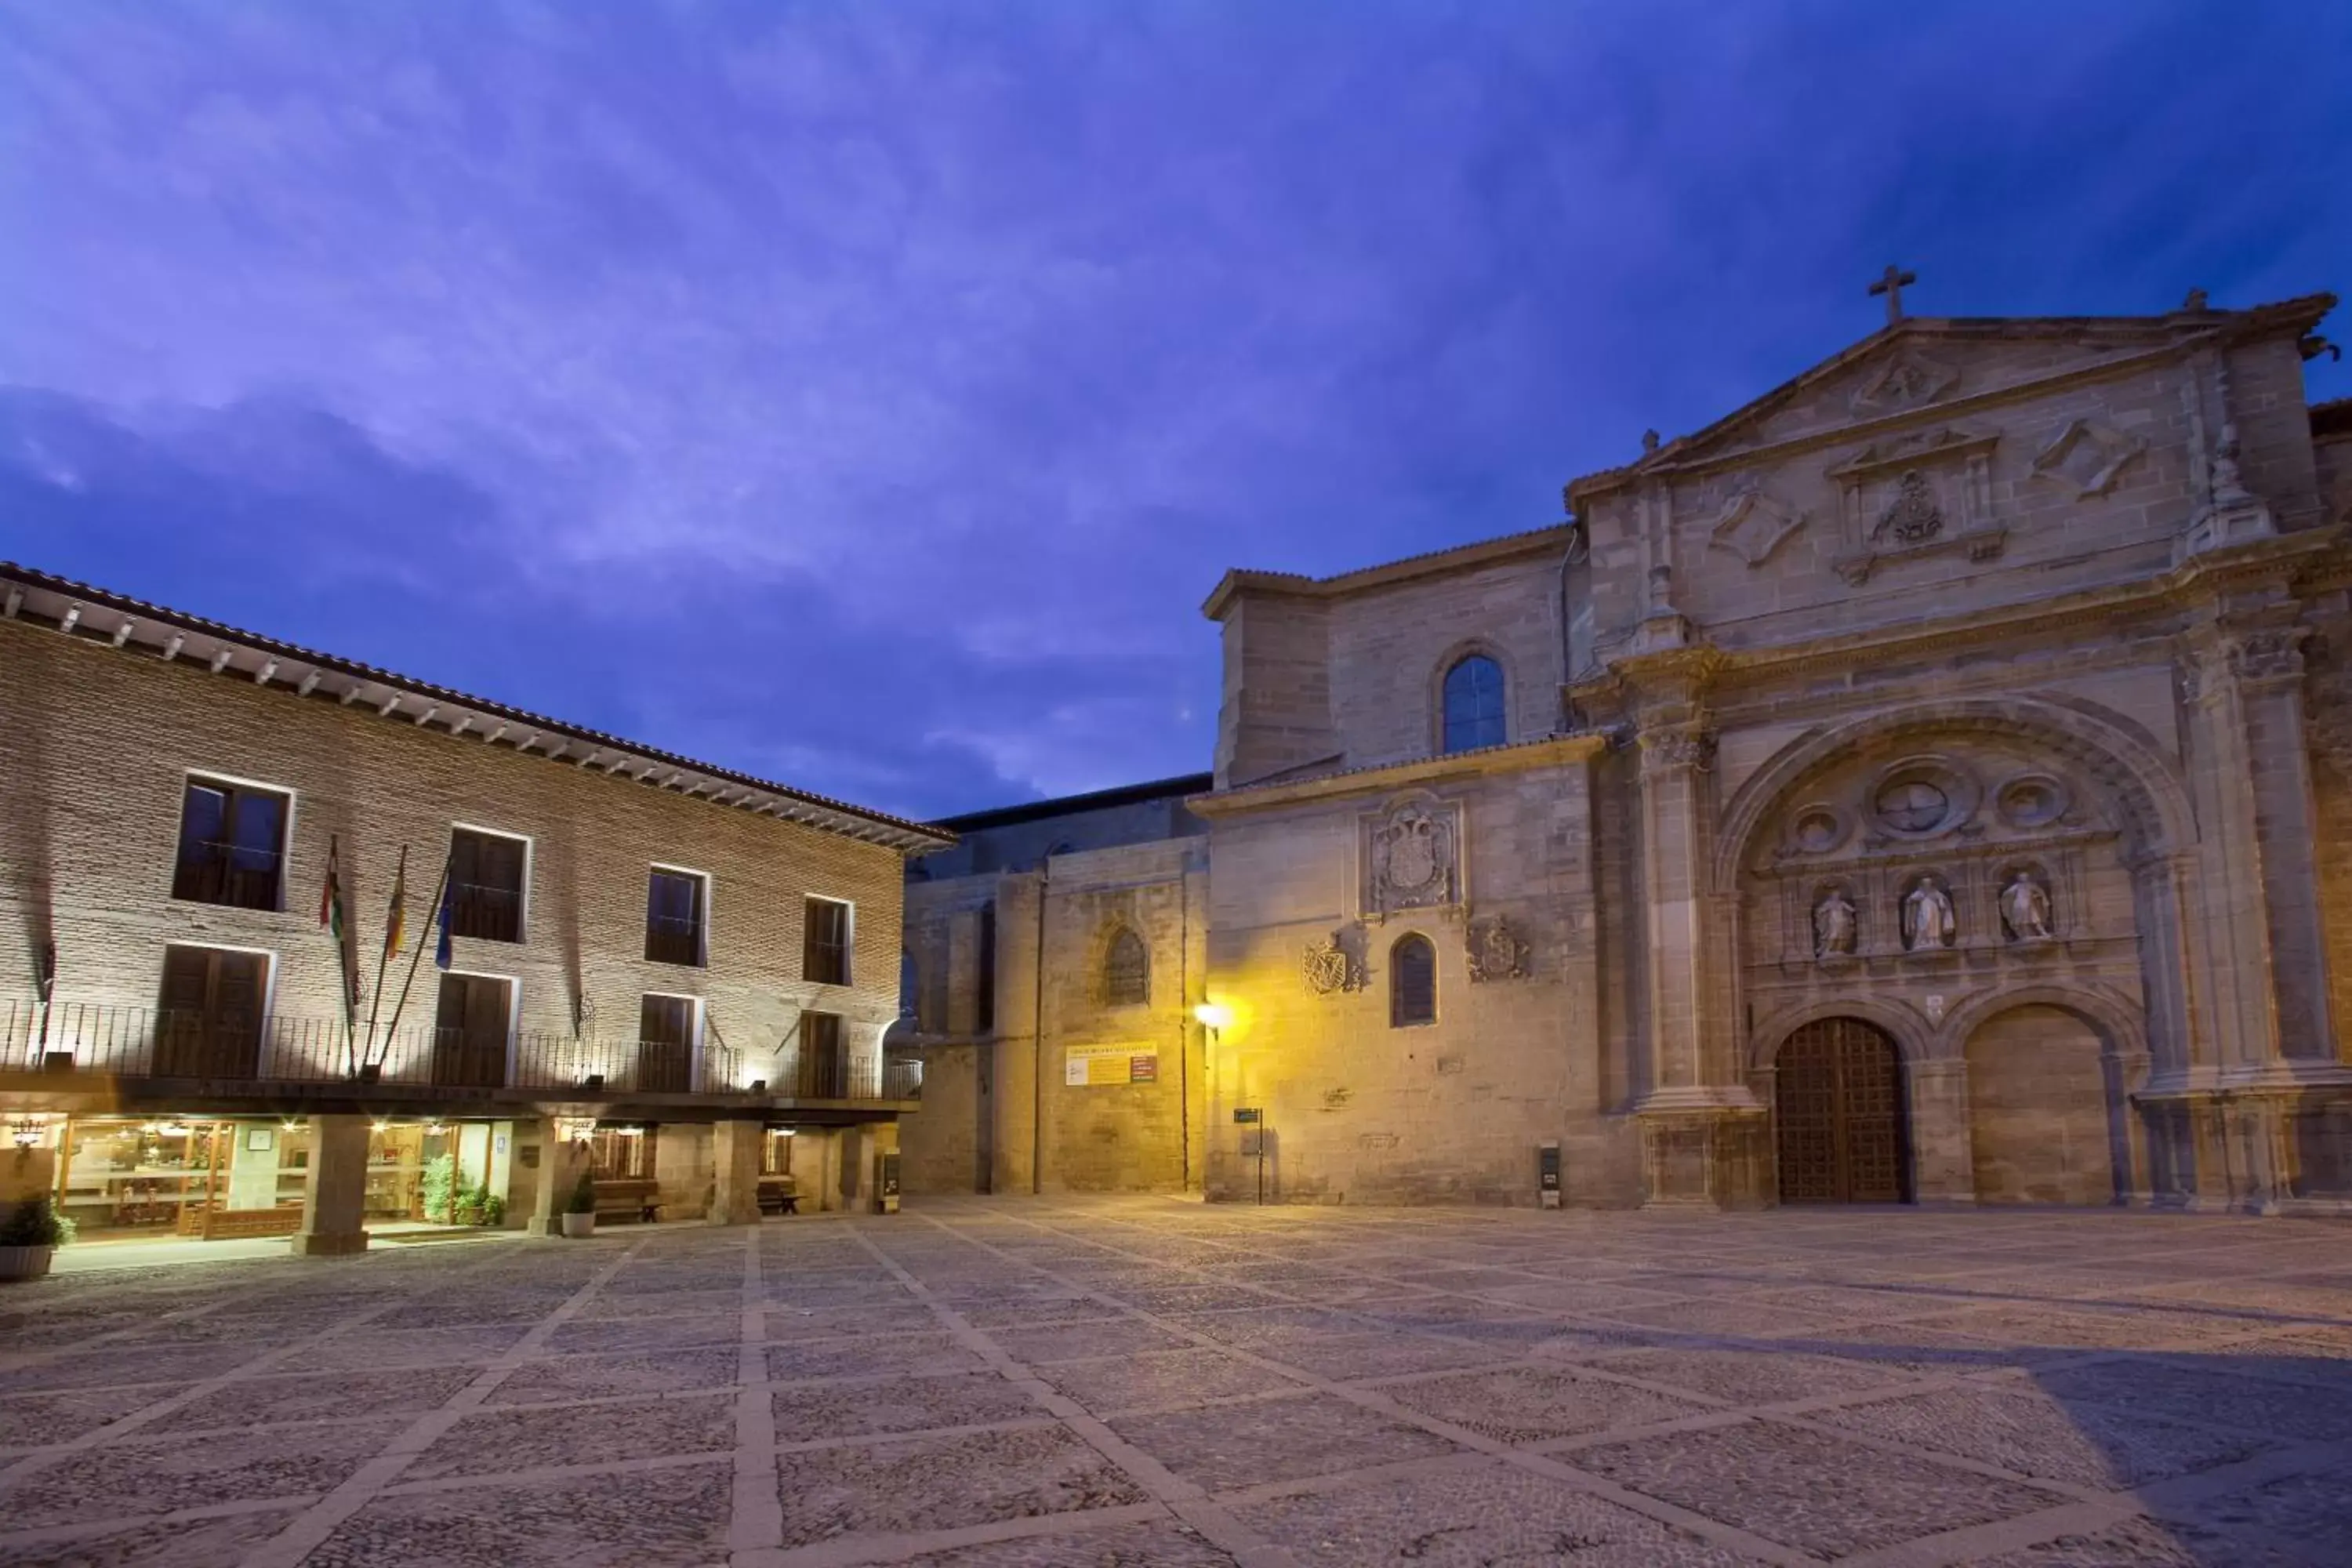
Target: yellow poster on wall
{"type": "Point", "coordinates": [1096, 1067]}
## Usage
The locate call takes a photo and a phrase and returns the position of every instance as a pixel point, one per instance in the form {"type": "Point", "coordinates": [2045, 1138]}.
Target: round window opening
{"type": "Point", "coordinates": [1819, 830]}
{"type": "Point", "coordinates": [2033, 801]}
{"type": "Point", "coordinates": [1912, 806]}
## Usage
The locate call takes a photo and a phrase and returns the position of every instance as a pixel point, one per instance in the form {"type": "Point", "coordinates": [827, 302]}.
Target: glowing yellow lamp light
{"type": "Point", "coordinates": [1215, 1015]}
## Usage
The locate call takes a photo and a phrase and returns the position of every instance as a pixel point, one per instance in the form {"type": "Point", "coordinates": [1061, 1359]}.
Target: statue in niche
{"type": "Point", "coordinates": [1834, 926]}
{"type": "Point", "coordinates": [2025, 908]}
{"type": "Point", "coordinates": [1927, 918]}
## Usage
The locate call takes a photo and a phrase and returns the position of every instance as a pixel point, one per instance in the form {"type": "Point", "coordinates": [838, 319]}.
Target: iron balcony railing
{"type": "Point", "coordinates": [260, 1049]}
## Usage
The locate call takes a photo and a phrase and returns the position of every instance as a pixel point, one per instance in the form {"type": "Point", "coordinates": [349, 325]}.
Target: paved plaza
{"type": "Point", "coordinates": [981, 1383]}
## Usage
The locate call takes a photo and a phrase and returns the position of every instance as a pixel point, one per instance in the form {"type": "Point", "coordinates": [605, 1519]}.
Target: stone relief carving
{"type": "Point", "coordinates": [1496, 952]}
{"type": "Point", "coordinates": [1896, 508]}
{"type": "Point", "coordinates": [2088, 456]}
{"type": "Point", "coordinates": [1912, 517]}
{"type": "Point", "coordinates": [2025, 908]}
{"type": "Point", "coordinates": [1332, 964]}
{"type": "Point", "coordinates": [1685, 748]}
{"type": "Point", "coordinates": [1928, 920]}
{"type": "Point", "coordinates": [1413, 859]}
{"type": "Point", "coordinates": [1907, 380]}
{"type": "Point", "coordinates": [1752, 525]}
{"type": "Point", "coordinates": [1836, 928]}
{"type": "Point", "coordinates": [2267, 656]}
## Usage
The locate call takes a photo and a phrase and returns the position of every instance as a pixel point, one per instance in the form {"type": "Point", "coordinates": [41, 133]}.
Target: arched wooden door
{"type": "Point", "coordinates": [1838, 1115]}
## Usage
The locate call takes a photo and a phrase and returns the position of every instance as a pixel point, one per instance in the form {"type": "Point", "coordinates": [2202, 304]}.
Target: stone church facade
{"type": "Point", "coordinates": [1932, 782]}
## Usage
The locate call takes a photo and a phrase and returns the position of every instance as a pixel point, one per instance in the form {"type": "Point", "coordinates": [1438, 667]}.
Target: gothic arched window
{"type": "Point", "coordinates": [1127, 972]}
{"type": "Point", "coordinates": [1412, 982]}
{"type": "Point", "coordinates": [1474, 704]}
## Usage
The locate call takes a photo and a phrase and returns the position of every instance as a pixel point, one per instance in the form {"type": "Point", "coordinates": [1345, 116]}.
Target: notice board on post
{"type": "Point", "coordinates": [1096, 1066]}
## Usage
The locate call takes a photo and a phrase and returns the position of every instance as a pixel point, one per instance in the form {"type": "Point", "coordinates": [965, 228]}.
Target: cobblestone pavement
{"type": "Point", "coordinates": [1033, 1383]}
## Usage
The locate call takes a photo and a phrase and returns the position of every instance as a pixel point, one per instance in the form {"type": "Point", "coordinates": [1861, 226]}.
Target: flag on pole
{"type": "Point", "coordinates": [442, 954]}
{"type": "Point", "coordinates": [395, 919]}
{"type": "Point", "coordinates": [330, 915]}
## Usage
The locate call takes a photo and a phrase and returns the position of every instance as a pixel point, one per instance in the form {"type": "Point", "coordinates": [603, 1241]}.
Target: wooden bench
{"type": "Point", "coordinates": [627, 1197]}
{"type": "Point", "coordinates": [238, 1225]}
{"type": "Point", "coordinates": [780, 1196]}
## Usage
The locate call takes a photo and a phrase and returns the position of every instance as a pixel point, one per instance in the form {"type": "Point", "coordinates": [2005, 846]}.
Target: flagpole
{"type": "Point", "coordinates": [384, 954]}
{"type": "Point", "coordinates": [438, 894]}
{"type": "Point", "coordinates": [340, 922]}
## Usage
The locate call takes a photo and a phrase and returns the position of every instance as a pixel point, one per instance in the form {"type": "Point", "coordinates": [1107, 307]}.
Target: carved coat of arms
{"type": "Point", "coordinates": [1328, 966]}
{"type": "Point", "coordinates": [1496, 952]}
{"type": "Point", "coordinates": [1412, 859]}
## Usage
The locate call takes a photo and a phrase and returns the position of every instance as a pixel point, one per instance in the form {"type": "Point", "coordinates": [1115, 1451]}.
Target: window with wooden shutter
{"type": "Point", "coordinates": [486, 885]}
{"type": "Point", "coordinates": [666, 1044]}
{"type": "Point", "coordinates": [210, 1014]}
{"type": "Point", "coordinates": [232, 844]}
{"type": "Point", "coordinates": [470, 1028]}
{"type": "Point", "coordinates": [674, 917]}
{"type": "Point", "coordinates": [824, 941]}
{"type": "Point", "coordinates": [1412, 982]}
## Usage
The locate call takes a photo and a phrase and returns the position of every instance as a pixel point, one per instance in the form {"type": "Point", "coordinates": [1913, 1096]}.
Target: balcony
{"type": "Point", "coordinates": [247, 1054]}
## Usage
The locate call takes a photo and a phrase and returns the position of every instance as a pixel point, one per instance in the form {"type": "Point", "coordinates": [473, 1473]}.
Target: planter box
{"type": "Point", "coordinates": [575, 1225]}
{"type": "Point", "coordinates": [25, 1262]}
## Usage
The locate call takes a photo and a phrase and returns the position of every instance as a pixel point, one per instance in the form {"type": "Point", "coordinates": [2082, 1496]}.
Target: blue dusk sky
{"type": "Point", "coordinates": [867, 396]}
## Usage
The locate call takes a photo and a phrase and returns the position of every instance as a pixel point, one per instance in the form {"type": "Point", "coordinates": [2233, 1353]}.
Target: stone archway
{"type": "Point", "coordinates": [1840, 1121]}
{"type": "Point", "coordinates": [2045, 1109]}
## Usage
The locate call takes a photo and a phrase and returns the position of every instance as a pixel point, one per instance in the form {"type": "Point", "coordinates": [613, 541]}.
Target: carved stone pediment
{"type": "Point", "coordinates": [1917, 449]}
{"type": "Point", "coordinates": [1412, 856]}
{"type": "Point", "coordinates": [1923, 493]}
{"type": "Point", "coordinates": [2087, 456]}
{"type": "Point", "coordinates": [1905, 379]}
{"type": "Point", "coordinates": [1752, 525]}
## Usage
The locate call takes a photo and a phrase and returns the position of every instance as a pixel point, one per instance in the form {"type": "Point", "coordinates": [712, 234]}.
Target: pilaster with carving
{"type": "Point", "coordinates": [2251, 778]}
{"type": "Point", "coordinates": [1701, 1123]}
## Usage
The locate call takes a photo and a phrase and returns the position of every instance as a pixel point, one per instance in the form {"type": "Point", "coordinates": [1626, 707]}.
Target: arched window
{"type": "Point", "coordinates": [1412, 982]}
{"type": "Point", "coordinates": [1127, 972]}
{"type": "Point", "coordinates": [1474, 704]}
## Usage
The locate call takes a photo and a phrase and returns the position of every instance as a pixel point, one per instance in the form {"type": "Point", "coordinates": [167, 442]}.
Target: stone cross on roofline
{"type": "Point", "coordinates": [1891, 283]}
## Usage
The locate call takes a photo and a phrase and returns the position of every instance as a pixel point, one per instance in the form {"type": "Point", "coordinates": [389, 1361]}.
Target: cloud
{"type": "Point", "coordinates": [918, 369]}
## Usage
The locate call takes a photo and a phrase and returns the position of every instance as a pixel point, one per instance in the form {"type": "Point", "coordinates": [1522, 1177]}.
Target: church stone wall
{"type": "Point", "coordinates": [1358, 1111]}
{"type": "Point", "coordinates": [1391, 648]}
{"type": "Point", "coordinates": [1000, 1111]}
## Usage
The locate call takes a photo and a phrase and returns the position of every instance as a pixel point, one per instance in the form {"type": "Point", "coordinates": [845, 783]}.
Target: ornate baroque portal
{"type": "Point", "coordinates": [1909, 887]}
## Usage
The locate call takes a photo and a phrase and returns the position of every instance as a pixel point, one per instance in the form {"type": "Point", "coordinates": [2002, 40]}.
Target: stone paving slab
{"type": "Point", "coordinates": [1002, 1384]}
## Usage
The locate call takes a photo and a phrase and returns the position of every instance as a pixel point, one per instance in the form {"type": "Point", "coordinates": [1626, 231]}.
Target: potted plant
{"type": "Point", "coordinates": [31, 1234]}
{"type": "Point", "coordinates": [437, 1190]}
{"type": "Point", "coordinates": [580, 1214]}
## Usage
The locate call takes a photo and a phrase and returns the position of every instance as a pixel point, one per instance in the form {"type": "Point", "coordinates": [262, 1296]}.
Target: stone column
{"type": "Point", "coordinates": [735, 1163]}
{"type": "Point", "coordinates": [334, 1189]}
{"type": "Point", "coordinates": [1702, 1129]}
{"type": "Point", "coordinates": [561, 1167]}
{"type": "Point", "coordinates": [1943, 1162]}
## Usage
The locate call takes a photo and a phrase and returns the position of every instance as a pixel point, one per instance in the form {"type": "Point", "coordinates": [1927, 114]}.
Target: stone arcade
{"type": "Point", "coordinates": [1931, 781]}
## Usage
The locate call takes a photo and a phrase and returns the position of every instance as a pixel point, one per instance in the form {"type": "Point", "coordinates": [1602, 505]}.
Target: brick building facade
{"type": "Point", "coordinates": [678, 963]}
{"type": "Point", "coordinates": [1930, 782]}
